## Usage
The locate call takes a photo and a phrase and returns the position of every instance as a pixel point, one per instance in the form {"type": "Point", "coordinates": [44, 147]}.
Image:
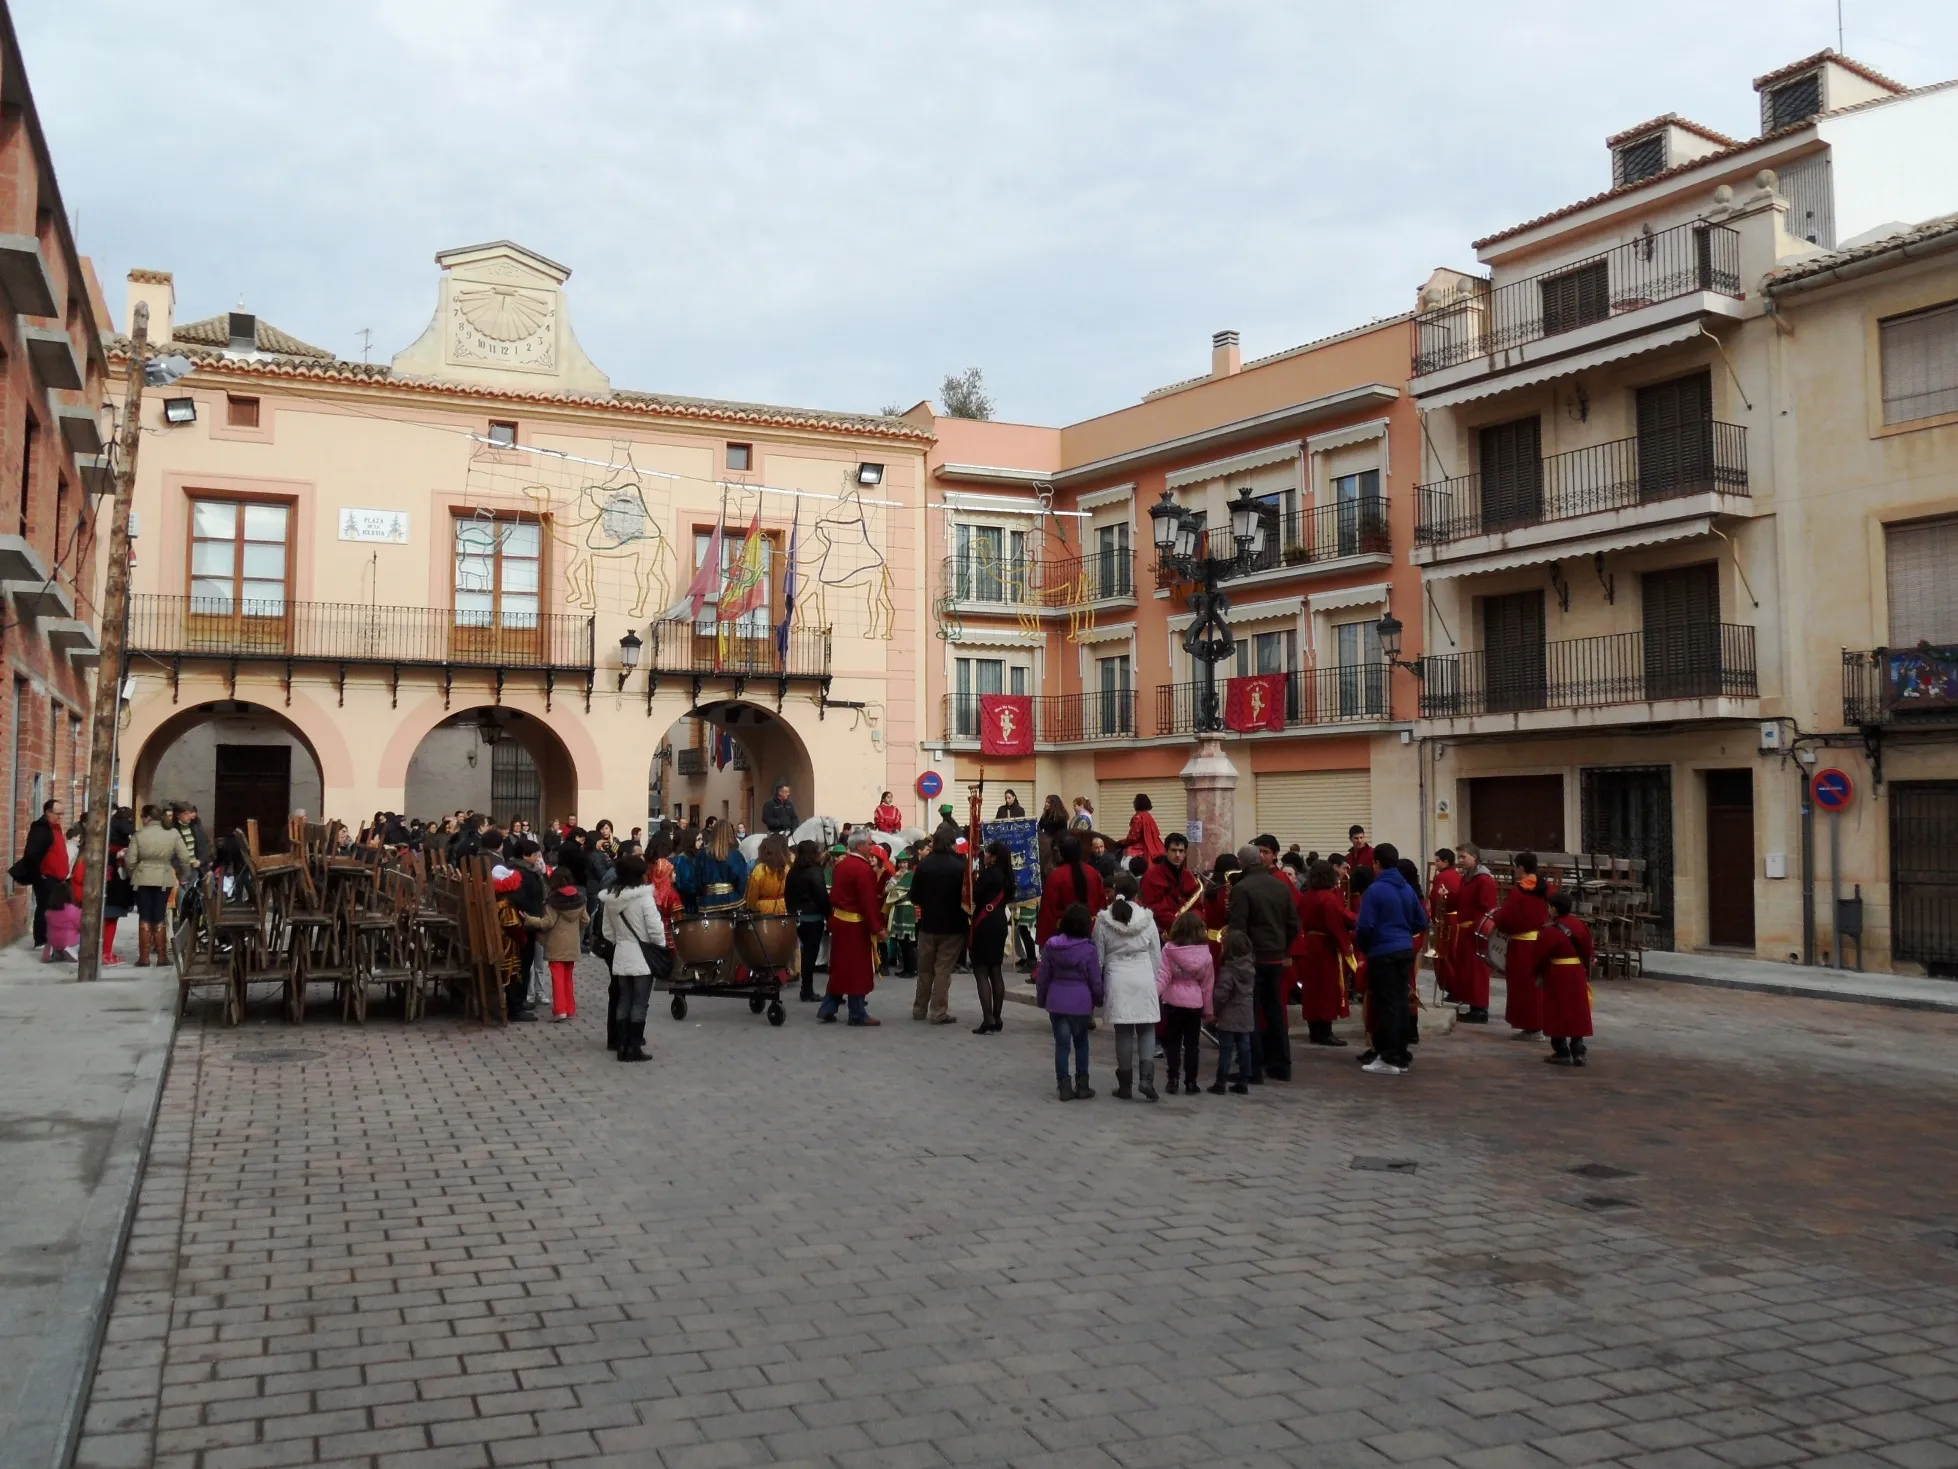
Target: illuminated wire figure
{"type": "Point", "coordinates": [847, 559]}
{"type": "Point", "coordinates": [608, 522]}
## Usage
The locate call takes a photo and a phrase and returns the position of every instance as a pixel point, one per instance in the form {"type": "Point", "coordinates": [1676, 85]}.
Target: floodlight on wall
{"type": "Point", "coordinates": [870, 475]}
{"type": "Point", "coordinates": [180, 410]}
{"type": "Point", "coordinates": [160, 372]}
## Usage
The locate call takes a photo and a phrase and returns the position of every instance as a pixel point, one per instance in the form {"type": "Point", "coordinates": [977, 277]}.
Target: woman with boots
{"type": "Point", "coordinates": [807, 897]}
{"type": "Point", "coordinates": [632, 924]}
{"type": "Point", "coordinates": [992, 903]}
{"type": "Point", "coordinates": [1130, 950]}
{"type": "Point", "coordinates": [155, 853]}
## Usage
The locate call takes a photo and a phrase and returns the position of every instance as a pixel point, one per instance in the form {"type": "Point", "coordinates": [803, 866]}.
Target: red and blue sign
{"type": "Point", "coordinates": [1833, 790]}
{"type": "Point", "coordinates": [930, 785]}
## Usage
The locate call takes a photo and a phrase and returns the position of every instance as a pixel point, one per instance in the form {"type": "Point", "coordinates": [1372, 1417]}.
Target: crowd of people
{"type": "Point", "coordinates": [152, 857]}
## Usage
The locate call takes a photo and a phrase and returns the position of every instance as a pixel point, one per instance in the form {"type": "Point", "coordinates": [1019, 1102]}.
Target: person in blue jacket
{"type": "Point", "coordinates": [1391, 916]}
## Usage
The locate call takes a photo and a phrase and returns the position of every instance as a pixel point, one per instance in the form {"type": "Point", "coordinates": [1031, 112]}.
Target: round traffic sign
{"type": "Point", "coordinates": [1833, 790]}
{"type": "Point", "coordinates": [929, 784]}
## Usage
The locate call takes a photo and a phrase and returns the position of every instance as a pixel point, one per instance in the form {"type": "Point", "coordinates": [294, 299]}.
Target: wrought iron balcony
{"type": "Point", "coordinates": [354, 632]}
{"type": "Point", "coordinates": [690, 761]}
{"type": "Point", "coordinates": [1016, 584]}
{"type": "Point", "coordinates": [1351, 694]}
{"type": "Point", "coordinates": [739, 649]}
{"type": "Point", "coordinates": [1681, 261]}
{"type": "Point", "coordinates": [1694, 661]}
{"type": "Point", "coordinates": [1900, 686]}
{"type": "Point", "coordinates": [1694, 459]}
{"type": "Point", "coordinates": [1356, 527]}
{"type": "Point", "coordinates": [1058, 719]}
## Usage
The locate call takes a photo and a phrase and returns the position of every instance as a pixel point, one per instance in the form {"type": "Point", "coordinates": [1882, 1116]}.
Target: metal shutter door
{"type": "Point", "coordinates": [1923, 591]}
{"type": "Point", "coordinates": [1116, 803]}
{"type": "Point", "coordinates": [1314, 808]}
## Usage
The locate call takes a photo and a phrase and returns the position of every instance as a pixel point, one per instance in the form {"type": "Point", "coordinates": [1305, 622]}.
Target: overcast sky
{"type": "Point", "coordinates": [835, 204]}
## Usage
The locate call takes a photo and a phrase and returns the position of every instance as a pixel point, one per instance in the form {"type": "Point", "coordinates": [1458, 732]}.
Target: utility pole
{"type": "Point", "coordinates": [108, 673]}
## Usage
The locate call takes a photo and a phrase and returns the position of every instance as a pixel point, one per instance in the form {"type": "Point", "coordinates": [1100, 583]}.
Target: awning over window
{"type": "Point", "coordinates": [1543, 372]}
{"type": "Point", "coordinates": [1574, 549]}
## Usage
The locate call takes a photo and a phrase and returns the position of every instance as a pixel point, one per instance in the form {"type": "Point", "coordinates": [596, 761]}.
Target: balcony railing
{"type": "Point", "coordinates": [1058, 719]}
{"type": "Point", "coordinates": [1356, 527]}
{"type": "Point", "coordinates": [1017, 583]}
{"type": "Point", "coordinates": [1694, 661]}
{"type": "Point", "coordinates": [1681, 261]}
{"type": "Point", "coordinates": [1690, 460]}
{"type": "Point", "coordinates": [1901, 686]}
{"type": "Point", "coordinates": [691, 761]}
{"type": "Point", "coordinates": [1355, 693]}
{"type": "Point", "coordinates": [737, 650]}
{"type": "Point", "coordinates": [353, 632]}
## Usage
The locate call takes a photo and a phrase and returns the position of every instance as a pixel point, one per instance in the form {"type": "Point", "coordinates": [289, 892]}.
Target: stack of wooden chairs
{"type": "Point", "coordinates": [1609, 893]}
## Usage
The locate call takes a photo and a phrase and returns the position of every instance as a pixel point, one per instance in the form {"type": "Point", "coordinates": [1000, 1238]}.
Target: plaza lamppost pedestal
{"type": "Point", "coordinates": [1183, 548]}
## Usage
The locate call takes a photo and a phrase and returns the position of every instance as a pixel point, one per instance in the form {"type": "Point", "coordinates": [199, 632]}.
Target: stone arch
{"type": "Point", "coordinates": [249, 722]}
{"type": "Point", "coordinates": [558, 737]}
{"type": "Point", "coordinates": [541, 739]}
{"type": "Point", "coordinates": [775, 750]}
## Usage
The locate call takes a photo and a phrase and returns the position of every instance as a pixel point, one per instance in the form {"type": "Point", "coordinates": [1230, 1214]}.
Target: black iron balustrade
{"type": "Point", "coordinates": [1354, 527]}
{"type": "Point", "coordinates": [737, 650]}
{"type": "Point", "coordinates": [1342, 694]}
{"type": "Point", "coordinates": [1662, 266]}
{"type": "Point", "coordinates": [1689, 661]}
{"type": "Point", "coordinates": [1888, 686]}
{"type": "Point", "coordinates": [354, 632]}
{"type": "Point", "coordinates": [1058, 719]}
{"type": "Point", "coordinates": [1693, 459]}
{"type": "Point", "coordinates": [1047, 583]}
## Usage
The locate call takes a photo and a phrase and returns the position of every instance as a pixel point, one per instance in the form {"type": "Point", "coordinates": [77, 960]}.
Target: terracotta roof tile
{"type": "Point", "coordinates": [329, 369]}
{"type": "Point", "coordinates": [215, 331]}
{"type": "Point", "coordinates": [1813, 265]}
{"type": "Point", "coordinates": [1827, 53]}
{"type": "Point", "coordinates": [1675, 120]}
{"type": "Point", "coordinates": [150, 277]}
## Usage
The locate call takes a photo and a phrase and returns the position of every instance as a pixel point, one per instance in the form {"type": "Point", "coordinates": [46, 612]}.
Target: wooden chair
{"type": "Point", "coordinates": [204, 960]}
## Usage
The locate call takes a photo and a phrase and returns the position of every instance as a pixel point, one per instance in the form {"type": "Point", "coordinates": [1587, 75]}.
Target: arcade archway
{"type": "Point", "coordinates": [492, 759]}
{"type": "Point", "coordinates": [724, 758]}
{"type": "Point", "coordinates": [234, 761]}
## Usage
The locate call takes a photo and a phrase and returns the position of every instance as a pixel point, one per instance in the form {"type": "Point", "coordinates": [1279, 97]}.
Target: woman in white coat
{"type": "Point", "coordinates": [632, 920]}
{"type": "Point", "coordinates": [1129, 948]}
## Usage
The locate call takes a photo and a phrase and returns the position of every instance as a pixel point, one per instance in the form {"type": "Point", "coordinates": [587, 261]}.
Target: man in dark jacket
{"type": "Point", "coordinates": [1390, 917]}
{"type": "Point", "coordinates": [938, 893]}
{"type": "Point", "coordinates": [38, 860]}
{"type": "Point", "coordinates": [1265, 909]}
{"type": "Point", "coordinates": [778, 812]}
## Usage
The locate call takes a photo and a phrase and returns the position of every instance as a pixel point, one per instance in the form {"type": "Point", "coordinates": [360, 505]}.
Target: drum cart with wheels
{"type": "Point", "coordinates": [706, 948]}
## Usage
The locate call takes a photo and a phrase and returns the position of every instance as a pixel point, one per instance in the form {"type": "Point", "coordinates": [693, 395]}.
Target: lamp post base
{"type": "Point", "coordinates": [1210, 784]}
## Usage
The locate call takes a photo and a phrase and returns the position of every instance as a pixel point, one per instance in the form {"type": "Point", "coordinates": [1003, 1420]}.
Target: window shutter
{"type": "Point", "coordinates": [1923, 591]}
{"type": "Point", "coordinates": [1920, 364]}
{"type": "Point", "coordinates": [1115, 804]}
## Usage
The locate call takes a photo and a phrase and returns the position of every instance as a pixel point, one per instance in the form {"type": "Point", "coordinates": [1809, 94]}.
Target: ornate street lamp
{"type": "Point", "coordinates": [629, 647]}
{"type": "Point", "coordinates": [1181, 547]}
{"type": "Point", "coordinates": [1389, 629]}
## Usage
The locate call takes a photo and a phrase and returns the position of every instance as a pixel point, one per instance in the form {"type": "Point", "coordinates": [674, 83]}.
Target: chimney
{"type": "Point", "coordinates": [155, 288]}
{"type": "Point", "coordinates": [244, 332]}
{"type": "Point", "coordinates": [1225, 359]}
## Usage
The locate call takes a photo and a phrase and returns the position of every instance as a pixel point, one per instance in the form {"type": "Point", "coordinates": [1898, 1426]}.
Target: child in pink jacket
{"type": "Point", "coordinates": [1184, 979]}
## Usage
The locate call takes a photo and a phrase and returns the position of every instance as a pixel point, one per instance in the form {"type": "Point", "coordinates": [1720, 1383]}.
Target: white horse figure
{"type": "Point", "coordinates": [608, 522]}
{"type": "Point", "coordinates": [848, 558]}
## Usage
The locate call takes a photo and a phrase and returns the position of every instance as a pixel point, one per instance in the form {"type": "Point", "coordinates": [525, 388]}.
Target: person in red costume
{"type": "Point", "coordinates": [1521, 917]}
{"type": "Point", "coordinates": [1565, 954]}
{"type": "Point", "coordinates": [1475, 897]}
{"type": "Point", "coordinates": [887, 817]}
{"type": "Point", "coordinates": [1216, 906]}
{"type": "Point", "coordinates": [1444, 891]}
{"type": "Point", "coordinates": [856, 920]}
{"type": "Point", "coordinates": [1169, 887]}
{"type": "Point", "coordinates": [1071, 880]}
{"type": "Point", "coordinates": [1359, 851]}
{"type": "Point", "coordinates": [1144, 839]}
{"type": "Point", "coordinates": [1328, 937]}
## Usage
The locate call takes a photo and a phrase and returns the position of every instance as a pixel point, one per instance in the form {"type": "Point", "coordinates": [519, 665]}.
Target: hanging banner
{"type": "Point", "coordinates": [1021, 837]}
{"type": "Point", "coordinates": [1006, 724]}
{"type": "Point", "coordinates": [1924, 677]}
{"type": "Point", "coordinates": [1255, 703]}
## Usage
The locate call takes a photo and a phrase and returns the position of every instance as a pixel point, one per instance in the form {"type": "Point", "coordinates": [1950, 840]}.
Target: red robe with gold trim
{"type": "Point", "coordinates": [1443, 895]}
{"type": "Point", "coordinates": [1328, 940]}
{"type": "Point", "coordinates": [856, 919]}
{"type": "Point", "coordinates": [1477, 896]}
{"type": "Point", "coordinates": [1522, 916]}
{"type": "Point", "coordinates": [1564, 955]}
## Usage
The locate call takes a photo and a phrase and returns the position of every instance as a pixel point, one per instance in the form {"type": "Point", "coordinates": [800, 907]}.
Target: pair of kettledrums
{"type": "Point", "coordinates": [710, 951]}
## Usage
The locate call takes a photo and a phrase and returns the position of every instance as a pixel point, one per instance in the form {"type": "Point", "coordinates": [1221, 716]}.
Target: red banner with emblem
{"type": "Point", "coordinates": [1006, 724]}
{"type": "Point", "coordinates": [1255, 703]}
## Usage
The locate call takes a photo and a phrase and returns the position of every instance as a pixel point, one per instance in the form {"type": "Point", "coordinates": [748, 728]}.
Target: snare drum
{"type": "Point", "coordinates": [1492, 944]}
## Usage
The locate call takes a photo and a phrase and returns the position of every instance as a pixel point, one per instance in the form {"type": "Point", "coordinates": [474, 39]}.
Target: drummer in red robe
{"type": "Point", "coordinates": [1521, 918]}
{"type": "Point", "coordinates": [1565, 954]}
{"type": "Point", "coordinates": [856, 921]}
{"type": "Point", "coordinates": [1169, 887]}
{"type": "Point", "coordinates": [1328, 958]}
{"type": "Point", "coordinates": [1475, 898]}
{"type": "Point", "coordinates": [1443, 892]}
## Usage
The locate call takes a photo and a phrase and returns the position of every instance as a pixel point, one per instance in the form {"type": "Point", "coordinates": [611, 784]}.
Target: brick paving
{"type": "Point", "coordinates": [823, 1246]}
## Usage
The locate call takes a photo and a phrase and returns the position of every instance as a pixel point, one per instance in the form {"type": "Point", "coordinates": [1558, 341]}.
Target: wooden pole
{"type": "Point", "coordinates": [101, 794]}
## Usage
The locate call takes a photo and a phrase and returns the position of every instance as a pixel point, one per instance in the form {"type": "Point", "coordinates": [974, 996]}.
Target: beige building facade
{"type": "Point", "coordinates": [1625, 593]}
{"type": "Point", "coordinates": [444, 581]}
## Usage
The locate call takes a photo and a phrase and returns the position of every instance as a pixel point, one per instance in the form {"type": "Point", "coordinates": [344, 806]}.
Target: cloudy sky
{"type": "Point", "coordinates": [834, 204]}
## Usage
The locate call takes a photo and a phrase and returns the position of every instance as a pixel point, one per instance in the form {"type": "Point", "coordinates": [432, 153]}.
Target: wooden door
{"type": "Point", "coordinates": [1924, 874]}
{"type": "Point", "coordinates": [1514, 813]}
{"type": "Point", "coordinates": [1512, 474]}
{"type": "Point", "coordinates": [1682, 632]}
{"type": "Point", "coordinates": [254, 781]}
{"type": "Point", "coordinates": [1675, 438]}
{"type": "Point", "coordinates": [1512, 652]}
{"type": "Point", "coordinates": [1730, 858]}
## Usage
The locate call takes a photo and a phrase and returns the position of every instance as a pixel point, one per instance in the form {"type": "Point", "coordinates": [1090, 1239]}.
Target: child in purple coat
{"type": "Point", "coordinates": [1068, 987]}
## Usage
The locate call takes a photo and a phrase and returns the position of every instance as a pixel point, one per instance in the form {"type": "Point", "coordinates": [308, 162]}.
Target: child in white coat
{"type": "Point", "coordinates": [1130, 951]}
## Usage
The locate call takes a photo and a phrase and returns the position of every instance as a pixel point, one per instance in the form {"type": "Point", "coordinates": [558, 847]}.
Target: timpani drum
{"type": "Point", "coordinates": [699, 942]}
{"type": "Point", "coordinates": [765, 940]}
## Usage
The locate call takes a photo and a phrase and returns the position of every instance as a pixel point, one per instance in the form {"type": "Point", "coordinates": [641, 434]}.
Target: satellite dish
{"type": "Point", "coordinates": [160, 372]}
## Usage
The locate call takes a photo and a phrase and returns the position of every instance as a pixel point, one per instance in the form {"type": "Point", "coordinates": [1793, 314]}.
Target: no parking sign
{"type": "Point", "coordinates": [1833, 790]}
{"type": "Point", "coordinates": [929, 785]}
